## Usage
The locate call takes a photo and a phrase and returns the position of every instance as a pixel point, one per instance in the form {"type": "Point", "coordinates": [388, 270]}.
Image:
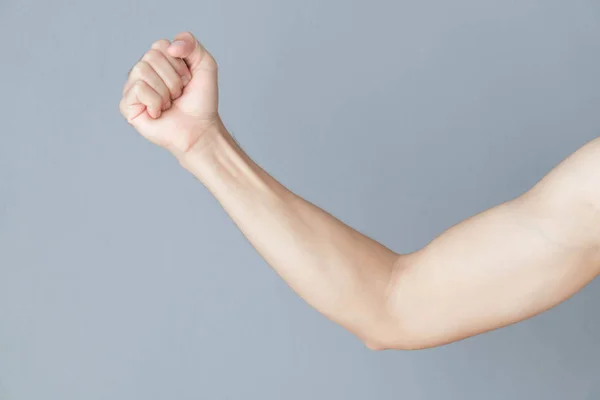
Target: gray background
{"type": "Point", "coordinates": [122, 278]}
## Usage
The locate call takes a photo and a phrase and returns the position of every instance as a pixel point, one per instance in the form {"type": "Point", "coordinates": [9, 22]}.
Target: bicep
{"type": "Point", "coordinates": [503, 265]}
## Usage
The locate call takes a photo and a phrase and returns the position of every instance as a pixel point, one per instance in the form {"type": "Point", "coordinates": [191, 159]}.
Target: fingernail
{"type": "Point", "coordinates": [178, 43]}
{"type": "Point", "coordinates": [185, 79]}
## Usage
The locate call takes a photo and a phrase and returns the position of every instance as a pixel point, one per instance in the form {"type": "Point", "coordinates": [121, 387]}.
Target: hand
{"type": "Point", "coordinates": [171, 94]}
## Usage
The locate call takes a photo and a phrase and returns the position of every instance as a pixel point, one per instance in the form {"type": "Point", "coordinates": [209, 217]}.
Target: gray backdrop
{"type": "Point", "coordinates": [122, 278]}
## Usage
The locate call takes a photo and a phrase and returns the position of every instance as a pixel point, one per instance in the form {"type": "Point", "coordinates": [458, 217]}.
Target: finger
{"type": "Point", "coordinates": [177, 63]}
{"type": "Point", "coordinates": [144, 71]}
{"type": "Point", "coordinates": [187, 47]}
{"type": "Point", "coordinates": [165, 71]}
{"type": "Point", "coordinates": [140, 96]}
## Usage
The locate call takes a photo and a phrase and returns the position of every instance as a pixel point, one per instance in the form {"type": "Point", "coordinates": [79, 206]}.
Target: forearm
{"type": "Point", "coordinates": [339, 271]}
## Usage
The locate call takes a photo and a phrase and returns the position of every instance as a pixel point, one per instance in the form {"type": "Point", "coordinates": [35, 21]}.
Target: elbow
{"type": "Point", "coordinates": [395, 326]}
{"type": "Point", "coordinates": [394, 339]}
{"type": "Point", "coordinates": [376, 345]}
{"type": "Point", "coordinates": [401, 329]}
{"type": "Point", "coordinates": [411, 333]}
{"type": "Point", "coordinates": [397, 344]}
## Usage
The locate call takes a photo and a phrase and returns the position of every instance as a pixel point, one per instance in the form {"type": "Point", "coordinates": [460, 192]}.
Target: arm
{"type": "Point", "coordinates": [499, 267]}
{"type": "Point", "coordinates": [496, 268]}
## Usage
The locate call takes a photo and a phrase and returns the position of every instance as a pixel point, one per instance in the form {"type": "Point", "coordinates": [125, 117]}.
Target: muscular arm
{"type": "Point", "coordinates": [501, 266]}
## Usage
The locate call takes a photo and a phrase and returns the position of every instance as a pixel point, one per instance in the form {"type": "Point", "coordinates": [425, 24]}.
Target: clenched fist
{"type": "Point", "coordinates": [171, 94]}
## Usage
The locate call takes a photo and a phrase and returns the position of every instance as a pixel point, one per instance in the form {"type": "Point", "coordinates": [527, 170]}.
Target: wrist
{"type": "Point", "coordinates": [213, 143]}
{"type": "Point", "coordinates": [221, 165]}
{"type": "Point", "coordinates": [203, 139]}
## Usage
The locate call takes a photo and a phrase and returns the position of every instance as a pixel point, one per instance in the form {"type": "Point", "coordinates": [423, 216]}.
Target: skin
{"type": "Point", "coordinates": [504, 265]}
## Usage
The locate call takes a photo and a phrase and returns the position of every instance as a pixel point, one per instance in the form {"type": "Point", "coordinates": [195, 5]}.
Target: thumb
{"type": "Point", "coordinates": [187, 47]}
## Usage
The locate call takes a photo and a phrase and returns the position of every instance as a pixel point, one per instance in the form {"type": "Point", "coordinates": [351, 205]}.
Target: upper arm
{"type": "Point", "coordinates": [503, 265]}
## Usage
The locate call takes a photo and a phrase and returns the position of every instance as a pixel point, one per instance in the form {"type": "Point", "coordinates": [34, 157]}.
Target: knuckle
{"type": "Point", "coordinates": [140, 68]}
{"type": "Point", "coordinates": [126, 87]}
{"type": "Point", "coordinates": [188, 34]}
{"type": "Point", "coordinates": [124, 108]}
{"type": "Point", "coordinates": [152, 55]}
{"type": "Point", "coordinates": [161, 43]}
{"type": "Point", "coordinates": [212, 61]}
{"type": "Point", "coordinates": [209, 61]}
{"type": "Point", "coordinates": [138, 86]}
